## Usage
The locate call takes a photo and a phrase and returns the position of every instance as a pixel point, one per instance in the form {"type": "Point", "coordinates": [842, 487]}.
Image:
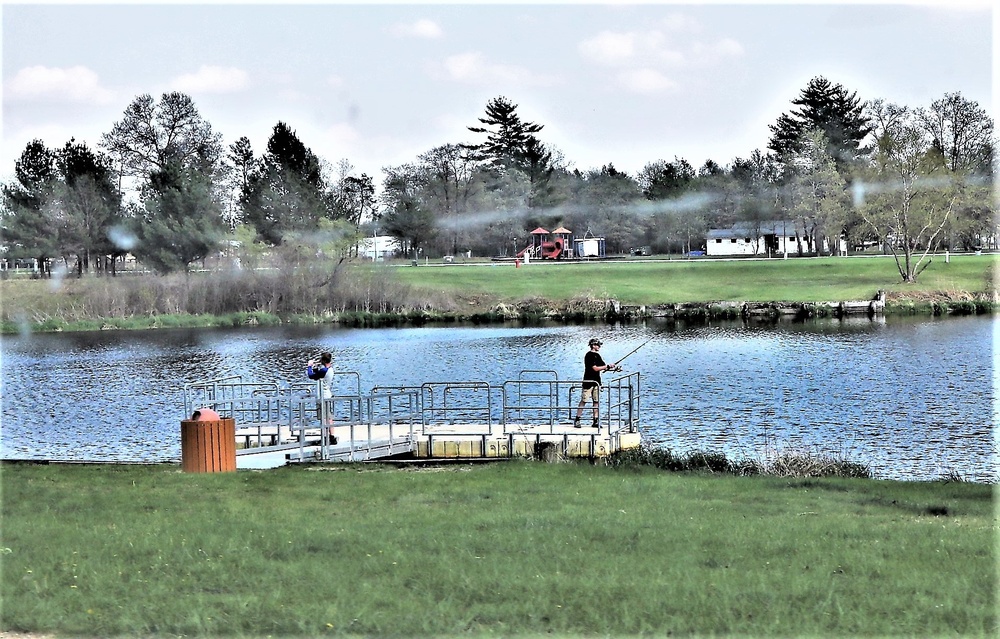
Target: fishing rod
{"type": "Point", "coordinates": [618, 363]}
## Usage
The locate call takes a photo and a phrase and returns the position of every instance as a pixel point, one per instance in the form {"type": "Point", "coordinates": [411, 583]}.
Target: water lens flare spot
{"type": "Point", "coordinates": [122, 238]}
{"type": "Point", "coordinates": [58, 276]}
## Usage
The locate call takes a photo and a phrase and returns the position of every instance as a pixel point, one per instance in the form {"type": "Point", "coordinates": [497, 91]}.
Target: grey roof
{"type": "Point", "coordinates": [755, 229]}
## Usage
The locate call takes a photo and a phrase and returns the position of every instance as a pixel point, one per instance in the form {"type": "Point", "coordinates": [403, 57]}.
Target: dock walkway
{"type": "Point", "coordinates": [530, 416]}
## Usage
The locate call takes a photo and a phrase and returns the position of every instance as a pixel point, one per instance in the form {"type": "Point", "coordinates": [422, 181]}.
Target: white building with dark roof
{"type": "Point", "coordinates": [764, 238]}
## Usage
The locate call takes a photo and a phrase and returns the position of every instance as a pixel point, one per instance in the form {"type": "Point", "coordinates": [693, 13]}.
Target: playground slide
{"type": "Point", "coordinates": [551, 250]}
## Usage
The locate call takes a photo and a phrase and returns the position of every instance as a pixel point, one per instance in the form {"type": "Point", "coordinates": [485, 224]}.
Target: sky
{"type": "Point", "coordinates": [379, 84]}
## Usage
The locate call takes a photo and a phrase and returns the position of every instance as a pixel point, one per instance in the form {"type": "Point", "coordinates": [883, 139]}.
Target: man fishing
{"type": "Point", "coordinates": [593, 366]}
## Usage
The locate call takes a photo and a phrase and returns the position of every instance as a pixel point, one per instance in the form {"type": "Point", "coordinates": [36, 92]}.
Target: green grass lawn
{"type": "Point", "coordinates": [510, 549]}
{"type": "Point", "coordinates": [831, 279]}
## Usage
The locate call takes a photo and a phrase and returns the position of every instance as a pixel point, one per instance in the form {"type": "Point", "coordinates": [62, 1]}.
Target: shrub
{"type": "Point", "coordinates": [710, 461]}
{"type": "Point", "coordinates": [807, 465]}
{"type": "Point", "coordinates": [786, 464]}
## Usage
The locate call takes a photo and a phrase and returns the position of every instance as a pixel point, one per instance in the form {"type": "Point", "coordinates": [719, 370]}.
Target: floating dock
{"type": "Point", "coordinates": [530, 416]}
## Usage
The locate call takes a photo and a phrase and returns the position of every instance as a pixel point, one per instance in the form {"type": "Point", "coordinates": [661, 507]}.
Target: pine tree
{"type": "Point", "coordinates": [28, 222]}
{"type": "Point", "coordinates": [181, 223]}
{"type": "Point", "coordinates": [286, 192]}
{"type": "Point", "coordinates": [829, 108]}
{"type": "Point", "coordinates": [63, 203]}
{"type": "Point", "coordinates": [287, 153]}
{"type": "Point", "coordinates": [661, 179]}
{"type": "Point", "coordinates": [507, 138]}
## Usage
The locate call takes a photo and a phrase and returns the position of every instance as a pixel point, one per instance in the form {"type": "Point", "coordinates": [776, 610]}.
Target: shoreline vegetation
{"type": "Point", "coordinates": [359, 294]}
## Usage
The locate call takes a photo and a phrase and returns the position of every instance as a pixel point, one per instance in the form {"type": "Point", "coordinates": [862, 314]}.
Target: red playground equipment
{"type": "Point", "coordinates": [559, 246]}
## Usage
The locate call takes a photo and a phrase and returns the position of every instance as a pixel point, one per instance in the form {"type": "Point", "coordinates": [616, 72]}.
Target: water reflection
{"type": "Point", "coordinates": [912, 397]}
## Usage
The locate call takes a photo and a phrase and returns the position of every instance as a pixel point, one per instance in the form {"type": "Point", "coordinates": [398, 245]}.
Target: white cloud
{"type": "Point", "coordinates": [292, 96]}
{"type": "Point", "coordinates": [635, 47]}
{"type": "Point", "coordinates": [367, 153]}
{"type": "Point", "coordinates": [645, 81]}
{"type": "Point", "coordinates": [75, 84]}
{"type": "Point", "coordinates": [212, 79]}
{"type": "Point", "coordinates": [609, 48]}
{"type": "Point", "coordinates": [464, 66]}
{"type": "Point", "coordinates": [473, 68]}
{"type": "Point", "coordinates": [644, 57]}
{"type": "Point", "coordinates": [681, 22]}
{"type": "Point", "coordinates": [342, 134]}
{"type": "Point", "coordinates": [716, 51]}
{"type": "Point", "coordinates": [423, 28]}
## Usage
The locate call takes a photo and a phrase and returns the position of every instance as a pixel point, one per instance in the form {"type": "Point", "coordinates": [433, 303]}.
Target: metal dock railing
{"type": "Point", "coordinates": [520, 417]}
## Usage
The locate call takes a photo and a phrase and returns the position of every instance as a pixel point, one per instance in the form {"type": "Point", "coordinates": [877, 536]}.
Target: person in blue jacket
{"type": "Point", "coordinates": [317, 369]}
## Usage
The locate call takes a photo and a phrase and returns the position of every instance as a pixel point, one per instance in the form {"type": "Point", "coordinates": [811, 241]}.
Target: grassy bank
{"type": "Point", "coordinates": [833, 279]}
{"type": "Point", "coordinates": [510, 549]}
{"type": "Point", "coordinates": [361, 294]}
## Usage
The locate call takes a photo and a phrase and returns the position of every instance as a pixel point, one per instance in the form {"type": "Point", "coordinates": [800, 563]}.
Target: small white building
{"type": "Point", "coordinates": [589, 247]}
{"type": "Point", "coordinates": [379, 248]}
{"type": "Point", "coordinates": [769, 238]}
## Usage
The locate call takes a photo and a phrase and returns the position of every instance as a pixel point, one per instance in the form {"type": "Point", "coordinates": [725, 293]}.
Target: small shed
{"type": "Point", "coordinates": [589, 247]}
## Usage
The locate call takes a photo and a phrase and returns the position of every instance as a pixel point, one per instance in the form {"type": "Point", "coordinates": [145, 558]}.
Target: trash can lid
{"type": "Point", "coordinates": [204, 415]}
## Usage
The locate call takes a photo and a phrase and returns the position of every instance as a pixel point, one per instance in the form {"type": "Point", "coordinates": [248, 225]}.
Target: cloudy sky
{"type": "Point", "coordinates": [378, 84]}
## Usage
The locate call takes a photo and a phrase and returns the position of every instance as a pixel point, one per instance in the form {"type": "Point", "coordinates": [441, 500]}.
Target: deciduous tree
{"type": "Point", "coordinates": [963, 131]}
{"type": "Point", "coordinates": [816, 196]}
{"type": "Point", "coordinates": [152, 134]}
{"type": "Point", "coordinates": [352, 198]}
{"type": "Point", "coordinates": [908, 195]}
{"type": "Point", "coordinates": [404, 215]}
{"type": "Point", "coordinates": [663, 184]}
{"type": "Point", "coordinates": [607, 202]}
{"type": "Point", "coordinates": [451, 180]}
{"type": "Point", "coordinates": [760, 195]}
{"type": "Point", "coordinates": [90, 203]}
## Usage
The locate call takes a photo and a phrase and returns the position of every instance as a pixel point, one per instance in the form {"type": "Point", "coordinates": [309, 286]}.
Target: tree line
{"type": "Point", "coordinates": [163, 187]}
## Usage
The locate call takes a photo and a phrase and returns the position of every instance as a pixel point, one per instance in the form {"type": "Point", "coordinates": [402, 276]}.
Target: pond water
{"type": "Point", "coordinates": [913, 398]}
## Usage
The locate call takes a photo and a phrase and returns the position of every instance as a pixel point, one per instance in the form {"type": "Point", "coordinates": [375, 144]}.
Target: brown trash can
{"type": "Point", "coordinates": [208, 443]}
